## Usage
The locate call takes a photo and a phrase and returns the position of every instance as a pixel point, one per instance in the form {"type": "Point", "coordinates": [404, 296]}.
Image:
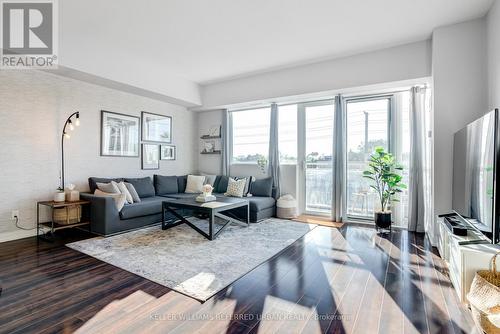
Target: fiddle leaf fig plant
{"type": "Point", "coordinates": [386, 181]}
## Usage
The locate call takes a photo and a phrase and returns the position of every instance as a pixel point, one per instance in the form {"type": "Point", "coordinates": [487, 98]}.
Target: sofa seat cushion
{"type": "Point", "coordinates": [260, 203]}
{"type": "Point", "coordinates": [179, 196]}
{"type": "Point", "coordinates": [147, 206]}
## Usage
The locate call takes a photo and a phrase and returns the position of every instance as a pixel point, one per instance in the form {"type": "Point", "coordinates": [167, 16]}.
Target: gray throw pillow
{"type": "Point", "coordinates": [143, 186]}
{"type": "Point", "coordinates": [166, 185]}
{"type": "Point", "coordinates": [110, 188]}
{"type": "Point", "coordinates": [262, 187]}
{"type": "Point", "coordinates": [131, 190]}
{"type": "Point", "coordinates": [209, 179]}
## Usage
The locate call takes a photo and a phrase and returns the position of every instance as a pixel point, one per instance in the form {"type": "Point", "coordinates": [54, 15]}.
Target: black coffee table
{"type": "Point", "coordinates": [213, 209]}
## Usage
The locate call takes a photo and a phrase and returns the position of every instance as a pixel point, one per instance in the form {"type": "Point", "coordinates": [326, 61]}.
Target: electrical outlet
{"type": "Point", "coordinates": [14, 214]}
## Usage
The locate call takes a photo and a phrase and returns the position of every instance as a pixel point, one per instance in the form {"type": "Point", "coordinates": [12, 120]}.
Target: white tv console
{"type": "Point", "coordinates": [463, 260]}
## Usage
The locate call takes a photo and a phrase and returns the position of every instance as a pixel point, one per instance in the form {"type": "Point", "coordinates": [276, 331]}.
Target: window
{"type": "Point", "coordinates": [287, 133]}
{"type": "Point", "coordinates": [250, 132]}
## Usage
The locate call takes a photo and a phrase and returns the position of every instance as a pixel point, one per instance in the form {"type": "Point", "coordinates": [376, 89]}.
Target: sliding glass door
{"type": "Point", "coordinates": [368, 126]}
{"type": "Point", "coordinates": [315, 154]}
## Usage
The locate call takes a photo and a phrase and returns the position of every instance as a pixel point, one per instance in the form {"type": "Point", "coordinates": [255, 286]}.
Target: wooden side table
{"type": "Point", "coordinates": [52, 224]}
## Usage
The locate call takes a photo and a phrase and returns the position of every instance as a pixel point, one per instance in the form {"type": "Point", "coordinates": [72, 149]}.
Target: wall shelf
{"type": "Point", "coordinates": [214, 152]}
{"type": "Point", "coordinates": [210, 137]}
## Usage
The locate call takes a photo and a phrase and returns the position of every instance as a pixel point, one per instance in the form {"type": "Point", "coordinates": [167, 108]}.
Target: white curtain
{"type": "Point", "coordinates": [274, 155]}
{"type": "Point", "coordinates": [226, 137]}
{"type": "Point", "coordinates": [338, 160]}
{"type": "Point", "coordinates": [420, 190]}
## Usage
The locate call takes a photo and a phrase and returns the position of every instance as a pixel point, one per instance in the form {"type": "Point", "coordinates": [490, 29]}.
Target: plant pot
{"type": "Point", "coordinates": [59, 196]}
{"type": "Point", "coordinates": [383, 219]}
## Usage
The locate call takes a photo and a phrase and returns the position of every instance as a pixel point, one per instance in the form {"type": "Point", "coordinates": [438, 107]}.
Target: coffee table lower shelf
{"type": "Point", "coordinates": [226, 204]}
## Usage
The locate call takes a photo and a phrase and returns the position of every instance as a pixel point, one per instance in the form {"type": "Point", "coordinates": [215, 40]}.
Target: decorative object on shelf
{"type": "Point", "coordinates": [209, 146]}
{"type": "Point", "coordinates": [214, 131]}
{"type": "Point", "coordinates": [150, 156]}
{"type": "Point", "coordinates": [206, 195]}
{"type": "Point", "coordinates": [167, 152]}
{"type": "Point", "coordinates": [72, 194]}
{"type": "Point", "coordinates": [65, 135]}
{"type": "Point", "coordinates": [156, 128]}
{"type": "Point", "coordinates": [386, 182]}
{"type": "Point", "coordinates": [484, 298]}
{"type": "Point", "coordinates": [119, 135]}
{"type": "Point", "coordinates": [262, 163]}
{"type": "Point", "coordinates": [59, 195]}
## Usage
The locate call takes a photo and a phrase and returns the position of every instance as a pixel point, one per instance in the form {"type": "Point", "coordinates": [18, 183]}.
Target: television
{"type": "Point", "coordinates": [476, 170]}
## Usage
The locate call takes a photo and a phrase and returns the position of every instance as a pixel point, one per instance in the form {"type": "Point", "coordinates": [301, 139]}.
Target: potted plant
{"type": "Point", "coordinates": [383, 171]}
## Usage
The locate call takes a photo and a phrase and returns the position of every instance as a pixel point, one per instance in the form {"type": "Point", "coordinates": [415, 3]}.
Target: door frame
{"type": "Point", "coordinates": [390, 144]}
{"type": "Point", "coordinates": [301, 152]}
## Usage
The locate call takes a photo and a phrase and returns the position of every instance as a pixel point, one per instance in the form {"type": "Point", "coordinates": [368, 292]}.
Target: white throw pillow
{"type": "Point", "coordinates": [108, 187]}
{"type": "Point", "coordinates": [133, 192]}
{"type": "Point", "coordinates": [194, 184]}
{"type": "Point", "coordinates": [120, 199]}
{"type": "Point", "coordinates": [123, 189]}
{"type": "Point", "coordinates": [236, 188]}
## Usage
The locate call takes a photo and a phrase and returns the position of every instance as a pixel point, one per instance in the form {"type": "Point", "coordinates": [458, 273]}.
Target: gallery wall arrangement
{"type": "Point", "coordinates": [124, 135]}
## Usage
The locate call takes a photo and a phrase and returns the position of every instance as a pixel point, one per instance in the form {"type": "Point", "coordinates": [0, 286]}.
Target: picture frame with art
{"type": "Point", "coordinates": [119, 135]}
{"type": "Point", "coordinates": [150, 158]}
{"type": "Point", "coordinates": [156, 128]}
{"type": "Point", "coordinates": [168, 152]}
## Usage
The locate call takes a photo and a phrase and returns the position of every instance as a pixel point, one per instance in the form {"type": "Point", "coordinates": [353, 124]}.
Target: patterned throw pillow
{"type": "Point", "coordinates": [236, 188]}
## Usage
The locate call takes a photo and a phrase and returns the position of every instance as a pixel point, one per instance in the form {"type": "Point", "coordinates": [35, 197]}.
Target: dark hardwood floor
{"type": "Point", "coordinates": [347, 280]}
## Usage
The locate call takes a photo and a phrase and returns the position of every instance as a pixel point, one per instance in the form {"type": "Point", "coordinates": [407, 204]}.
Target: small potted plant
{"type": "Point", "coordinates": [59, 195]}
{"type": "Point", "coordinates": [383, 171]}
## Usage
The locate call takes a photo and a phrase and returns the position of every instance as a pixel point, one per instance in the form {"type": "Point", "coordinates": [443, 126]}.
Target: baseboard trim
{"type": "Point", "coordinates": [15, 235]}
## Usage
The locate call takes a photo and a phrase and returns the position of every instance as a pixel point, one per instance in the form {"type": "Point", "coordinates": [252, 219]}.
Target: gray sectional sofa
{"type": "Point", "coordinates": [106, 220]}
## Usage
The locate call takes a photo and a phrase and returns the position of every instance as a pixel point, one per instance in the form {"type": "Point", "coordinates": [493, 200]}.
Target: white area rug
{"type": "Point", "coordinates": [183, 260]}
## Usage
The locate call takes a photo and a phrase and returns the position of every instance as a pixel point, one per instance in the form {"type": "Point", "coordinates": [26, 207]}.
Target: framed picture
{"type": "Point", "coordinates": [167, 152]}
{"type": "Point", "coordinates": [119, 135]}
{"type": "Point", "coordinates": [156, 128]}
{"type": "Point", "coordinates": [150, 156]}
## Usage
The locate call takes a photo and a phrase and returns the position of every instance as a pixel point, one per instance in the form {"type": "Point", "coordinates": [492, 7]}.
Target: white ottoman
{"type": "Point", "coordinates": [286, 207]}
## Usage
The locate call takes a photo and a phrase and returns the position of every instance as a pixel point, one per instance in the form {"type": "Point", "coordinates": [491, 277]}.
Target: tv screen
{"type": "Point", "coordinates": [474, 172]}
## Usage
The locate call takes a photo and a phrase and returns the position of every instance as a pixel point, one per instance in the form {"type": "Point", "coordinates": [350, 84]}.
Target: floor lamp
{"type": "Point", "coordinates": [68, 124]}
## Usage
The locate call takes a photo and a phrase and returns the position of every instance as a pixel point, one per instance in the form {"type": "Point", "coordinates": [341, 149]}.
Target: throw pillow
{"type": "Point", "coordinates": [262, 187]}
{"type": "Point", "coordinates": [235, 188]}
{"type": "Point", "coordinates": [123, 189]}
{"type": "Point", "coordinates": [166, 185]}
{"type": "Point", "coordinates": [93, 182]}
{"type": "Point", "coordinates": [194, 184]}
{"type": "Point", "coordinates": [144, 186]}
{"type": "Point", "coordinates": [108, 187]}
{"type": "Point", "coordinates": [209, 179]}
{"type": "Point", "coordinates": [181, 183]}
{"type": "Point", "coordinates": [119, 199]}
{"type": "Point", "coordinates": [248, 181]}
{"type": "Point", "coordinates": [133, 192]}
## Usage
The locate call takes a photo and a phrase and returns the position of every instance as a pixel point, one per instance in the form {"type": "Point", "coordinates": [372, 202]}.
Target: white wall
{"type": "Point", "coordinates": [493, 38]}
{"type": "Point", "coordinates": [33, 108]}
{"type": "Point", "coordinates": [404, 62]}
{"type": "Point", "coordinates": [460, 95]}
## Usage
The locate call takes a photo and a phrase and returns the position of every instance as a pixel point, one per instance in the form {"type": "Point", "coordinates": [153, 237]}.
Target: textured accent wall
{"type": "Point", "coordinates": [33, 108]}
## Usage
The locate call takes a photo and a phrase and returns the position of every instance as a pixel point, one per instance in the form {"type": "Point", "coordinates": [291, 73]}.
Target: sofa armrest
{"type": "Point", "coordinates": [103, 212]}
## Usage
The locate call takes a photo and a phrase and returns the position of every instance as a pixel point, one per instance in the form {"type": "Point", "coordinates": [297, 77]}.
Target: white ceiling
{"type": "Point", "coordinates": [206, 41]}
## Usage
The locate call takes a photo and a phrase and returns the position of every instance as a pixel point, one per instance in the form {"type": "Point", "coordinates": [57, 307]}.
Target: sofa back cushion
{"type": "Point", "coordinates": [262, 187]}
{"type": "Point", "coordinates": [143, 186]}
{"type": "Point", "coordinates": [220, 185]}
{"type": "Point", "coordinates": [181, 183]}
{"type": "Point", "coordinates": [166, 185]}
{"type": "Point", "coordinates": [94, 180]}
